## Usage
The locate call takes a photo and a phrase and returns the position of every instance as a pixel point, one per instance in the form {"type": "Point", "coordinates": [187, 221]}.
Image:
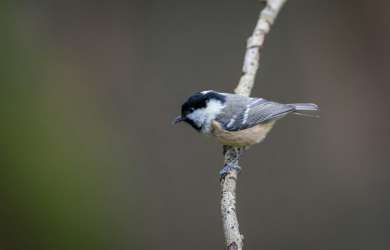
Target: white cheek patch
{"type": "Point", "coordinates": [198, 117]}
{"type": "Point", "coordinates": [203, 117]}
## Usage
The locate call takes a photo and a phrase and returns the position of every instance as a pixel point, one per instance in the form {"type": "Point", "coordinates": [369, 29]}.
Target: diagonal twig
{"type": "Point", "coordinates": [233, 237]}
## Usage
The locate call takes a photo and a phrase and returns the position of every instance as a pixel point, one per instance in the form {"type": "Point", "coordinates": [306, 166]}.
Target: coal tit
{"type": "Point", "coordinates": [235, 120]}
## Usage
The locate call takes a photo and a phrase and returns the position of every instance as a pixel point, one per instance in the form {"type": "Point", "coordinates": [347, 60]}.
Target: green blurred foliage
{"type": "Point", "coordinates": [56, 153]}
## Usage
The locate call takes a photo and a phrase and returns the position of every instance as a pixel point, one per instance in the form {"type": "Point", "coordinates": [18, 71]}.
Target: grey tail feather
{"type": "Point", "coordinates": [305, 107]}
{"type": "Point", "coordinates": [307, 115]}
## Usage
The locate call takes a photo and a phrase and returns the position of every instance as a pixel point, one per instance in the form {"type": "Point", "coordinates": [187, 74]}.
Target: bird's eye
{"type": "Point", "coordinates": [192, 109]}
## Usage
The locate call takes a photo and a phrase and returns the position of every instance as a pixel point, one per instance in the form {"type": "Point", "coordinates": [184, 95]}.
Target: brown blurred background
{"type": "Point", "coordinates": [89, 159]}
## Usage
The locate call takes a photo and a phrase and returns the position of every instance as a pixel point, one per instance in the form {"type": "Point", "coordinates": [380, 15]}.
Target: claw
{"type": "Point", "coordinates": [227, 168]}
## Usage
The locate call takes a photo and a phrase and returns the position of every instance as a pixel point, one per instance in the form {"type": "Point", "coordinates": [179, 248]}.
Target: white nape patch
{"type": "Point", "coordinates": [203, 117]}
{"type": "Point", "coordinates": [205, 92]}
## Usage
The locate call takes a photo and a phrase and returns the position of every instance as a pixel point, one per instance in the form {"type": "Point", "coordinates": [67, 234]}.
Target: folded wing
{"type": "Point", "coordinates": [252, 111]}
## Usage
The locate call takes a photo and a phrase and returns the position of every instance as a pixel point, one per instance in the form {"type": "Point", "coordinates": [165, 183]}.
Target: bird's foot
{"type": "Point", "coordinates": [227, 168]}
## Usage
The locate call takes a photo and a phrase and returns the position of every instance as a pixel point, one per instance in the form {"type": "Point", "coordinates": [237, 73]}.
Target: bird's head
{"type": "Point", "coordinates": [201, 108]}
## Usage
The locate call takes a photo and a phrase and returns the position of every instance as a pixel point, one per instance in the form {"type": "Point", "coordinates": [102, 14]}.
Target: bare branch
{"type": "Point", "coordinates": [254, 43]}
{"type": "Point", "coordinates": [233, 237]}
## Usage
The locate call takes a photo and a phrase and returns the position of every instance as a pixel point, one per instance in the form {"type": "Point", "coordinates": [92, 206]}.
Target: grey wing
{"type": "Point", "coordinates": [235, 106]}
{"type": "Point", "coordinates": [256, 111]}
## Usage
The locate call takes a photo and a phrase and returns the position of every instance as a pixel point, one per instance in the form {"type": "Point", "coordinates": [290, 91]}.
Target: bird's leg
{"type": "Point", "coordinates": [227, 168]}
{"type": "Point", "coordinates": [232, 155]}
{"type": "Point", "coordinates": [225, 148]}
{"type": "Point", "coordinates": [242, 150]}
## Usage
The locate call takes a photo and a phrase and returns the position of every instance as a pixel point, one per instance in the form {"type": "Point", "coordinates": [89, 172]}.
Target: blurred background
{"type": "Point", "coordinates": [89, 159]}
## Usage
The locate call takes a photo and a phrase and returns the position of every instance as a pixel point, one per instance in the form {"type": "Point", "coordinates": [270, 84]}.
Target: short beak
{"type": "Point", "coordinates": [178, 119]}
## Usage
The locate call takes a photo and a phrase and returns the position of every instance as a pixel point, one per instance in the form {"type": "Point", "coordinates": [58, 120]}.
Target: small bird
{"type": "Point", "coordinates": [236, 120]}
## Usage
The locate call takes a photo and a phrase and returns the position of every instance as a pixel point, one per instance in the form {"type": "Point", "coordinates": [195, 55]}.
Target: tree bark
{"type": "Point", "coordinates": [233, 237]}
